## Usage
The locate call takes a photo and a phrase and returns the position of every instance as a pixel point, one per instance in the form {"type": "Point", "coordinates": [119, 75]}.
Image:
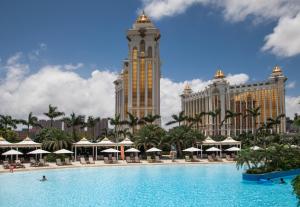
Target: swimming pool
{"type": "Point", "coordinates": [174, 185]}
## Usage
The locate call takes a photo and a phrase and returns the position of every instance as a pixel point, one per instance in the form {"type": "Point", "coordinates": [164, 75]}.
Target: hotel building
{"type": "Point", "coordinates": [269, 95]}
{"type": "Point", "coordinates": [137, 89]}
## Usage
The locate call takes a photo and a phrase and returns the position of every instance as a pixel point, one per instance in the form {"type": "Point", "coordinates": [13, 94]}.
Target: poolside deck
{"type": "Point", "coordinates": [101, 163]}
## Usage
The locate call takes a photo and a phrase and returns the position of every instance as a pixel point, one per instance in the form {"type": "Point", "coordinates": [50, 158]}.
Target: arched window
{"type": "Point", "coordinates": [150, 52]}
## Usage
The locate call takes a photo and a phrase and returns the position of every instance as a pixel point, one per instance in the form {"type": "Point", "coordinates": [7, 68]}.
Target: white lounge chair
{"type": "Point", "coordinates": [58, 162]}
{"type": "Point", "coordinates": [67, 161]}
{"type": "Point", "coordinates": [91, 160]}
{"type": "Point", "coordinates": [82, 161]}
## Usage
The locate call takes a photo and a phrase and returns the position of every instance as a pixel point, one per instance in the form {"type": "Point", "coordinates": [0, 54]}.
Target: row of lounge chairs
{"type": "Point", "coordinates": [135, 159]}
{"type": "Point", "coordinates": [193, 159]}
{"type": "Point", "coordinates": [214, 158]}
{"type": "Point", "coordinates": [155, 160]}
{"type": "Point", "coordinates": [17, 164]}
{"type": "Point", "coordinates": [40, 163]}
{"type": "Point", "coordinates": [83, 161]}
{"type": "Point", "coordinates": [66, 162]}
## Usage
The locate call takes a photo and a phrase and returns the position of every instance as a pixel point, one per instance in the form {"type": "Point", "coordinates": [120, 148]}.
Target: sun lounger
{"type": "Point", "coordinates": [67, 161]}
{"type": "Point", "coordinates": [210, 158]}
{"type": "Point", "coordinates": [187, 158]}
{"type": "Point", "coordinates": [83, 161]}
{"type": "Point", "coordinates": [91, 160]}
{"type": "Point", "coordinates": [128, 160]}
{"type": "Point", "coordinates": [195, 159]}
{"type": "Point", "coordinates": [42, 163]}
{"type": "Point", "coordinates": [58, 162]}
{"type": "Point", "coordinates": [33, 162]}
{"type": "Point", "coordinates": [5, 165]}
{"type": "Point", "coordinates": [157, 159]}
{"type": "Point", "coordinates": [114, 161]}
{"type": "Point", "coordinates": [149, 159]}
{"type": "Point", "coordinates": [106, 160]}
{"type": "Point", "coordinates": [137, 159]}
{"type": "Point", "coordinates": [228, 158]}
{"type": "Point", "coordinates": [19, 164]}
{"type": "Point", "coordinates": [218, 158]}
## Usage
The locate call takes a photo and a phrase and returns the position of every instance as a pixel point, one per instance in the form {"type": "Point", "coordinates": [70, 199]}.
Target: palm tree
{"type": "Point", "coordinates": [275, 122]}
{"type": "Point", "coordinates": [177, 118]}
{"type": "Point", "coordinates": [7, 122]}
{"type": "Point", "coordinates": [149, 136]}
{"type": "Point", "coordinates": [214, 115]}
{"type": "Point", "coordinates": [32, 121]}
{"type": "Point", "coordinates": [116, 122]}
{"type": "Point", "coordinates": [55, 139]}
{"type": "Point", "coordinates": [149, 119]}
{"type": "Point", "coordinates": [74, 121]}
{"type": "Point", "coordinates": [91, 123]}
{"type": "Point", "coordinates": [132, 122]}
{"type": "Point", "coordinates": [229, 115]}
{"type": "Point", "coordinates": [53, 113]}
{"type": "Point", "coordinates": [254, 113]}
{"type": "Point", "coordinates": [197, 119]}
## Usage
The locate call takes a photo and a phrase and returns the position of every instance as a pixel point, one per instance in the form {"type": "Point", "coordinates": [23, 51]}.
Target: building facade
{"type": "Point", "coordinates": [222, 97]}
{"type": "Point", "coordinates": [137, 89]}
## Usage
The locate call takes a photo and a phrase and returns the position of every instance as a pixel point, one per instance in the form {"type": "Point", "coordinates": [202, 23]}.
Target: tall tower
{"type": "Point", "coordinates": [138, 86]}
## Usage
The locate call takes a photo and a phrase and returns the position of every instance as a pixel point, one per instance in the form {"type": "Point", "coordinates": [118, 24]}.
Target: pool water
{"type": "Point", "coordinates": [174, 185]}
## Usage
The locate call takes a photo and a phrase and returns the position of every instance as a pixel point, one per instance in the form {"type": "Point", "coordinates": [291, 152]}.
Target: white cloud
{"type": "Point", "coordinates": [34, 54]}
{"type": "Point", "coordinates": [292, 105]}
{"type": "Point", "coordinates": [285, 39]}
{"type": "Point", "coordinates": [291, 84]}
{"type": "Point", "coordinates": [73, 66]}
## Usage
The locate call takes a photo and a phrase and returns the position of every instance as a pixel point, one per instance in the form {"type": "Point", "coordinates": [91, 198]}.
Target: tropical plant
{"type": "Point", "coordinates": [116, 122]}
{"type": "Point", "coordinates": [149, 136]}
{"type": "Point", "coordinates": [296, 187]}
{"type": "Point", "coordinates": [229, 115]}
{"type": "Point", "coordinates": [177, 118]}
{"type": "Point", "coordinates": [90, 124]}
{"type": "Point", "coordinates": [7, 123]}
{"type": "Point", "coordinates": [132, 122]}
{"type": "Point", "coordinates": [150, 119]}
{"type": "Point", "coordinates": [214, 115]}
{"type": "Point", "coordinates": [274, 122]}
{"type": "Point", "coordinates": [253, 113]}
{"type": "Point", "coordinates": [53, 113]}
{"type": "Point", "coordinates": [54, 139]}
{"type": "Point", "coordinates": [197, 120]}
{"type": "Point", "coordinates": [74, 121]}
{"type": "Point", "coordinates": [32, 121]}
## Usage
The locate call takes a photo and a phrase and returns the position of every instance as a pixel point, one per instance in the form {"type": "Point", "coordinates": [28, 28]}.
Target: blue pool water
{"type": "Point", "coordinates": [181, 185]}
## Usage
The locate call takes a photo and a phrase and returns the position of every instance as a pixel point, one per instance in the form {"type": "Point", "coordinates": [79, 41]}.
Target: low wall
{"type": "Point", "coordinates": [271, 175]}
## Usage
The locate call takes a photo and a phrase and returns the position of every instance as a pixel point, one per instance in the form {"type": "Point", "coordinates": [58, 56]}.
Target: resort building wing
{"type": "Point", "coordinates": [138, 85]}
{"type": "Point", "coordinates": [222, 98]}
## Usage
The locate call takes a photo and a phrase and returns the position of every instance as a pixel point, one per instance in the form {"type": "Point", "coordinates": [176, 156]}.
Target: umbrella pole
{"type": "Point", "coordinates": [75, 153]}
{"type": "Point", "coordinates": [96, 153]}
{"type": "Point", "coordinates": [17, 154]}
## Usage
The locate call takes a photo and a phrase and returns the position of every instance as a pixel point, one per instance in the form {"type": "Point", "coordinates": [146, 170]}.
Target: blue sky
{"type": "Point", "coordinates": [196, 39]}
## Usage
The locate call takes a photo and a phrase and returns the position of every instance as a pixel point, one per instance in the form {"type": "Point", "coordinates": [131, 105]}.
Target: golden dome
{"type": "Point", "coordinates": [143, 18]}
{"type": "Point", "coordinates": [277, 69]}
{"type": "Point", "coordinates": [219, 74]}
{"type": "Point", "coordinates": [187, 87]}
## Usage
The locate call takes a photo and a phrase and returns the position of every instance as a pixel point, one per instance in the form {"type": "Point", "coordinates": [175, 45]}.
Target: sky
{"type": "Point", "coordinates": [68, 53]}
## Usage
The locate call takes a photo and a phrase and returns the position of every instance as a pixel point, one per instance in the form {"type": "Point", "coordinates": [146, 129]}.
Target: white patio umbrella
{"type": "Point", "coordinates": [12, 152]}
{"type": "Point", "coordinates": [213, 149]}
{"type": "Point", "coordinates": [233, 149]}
{"type": "Point", "coordinates": [153, 149]}
{"type": "Point", "coordinates": [38, 151]}
{"type": "Point", "coordinates": [192, 149]}
{"type": "Point", "coordinates": [255, 148]}
{"type": "Point", "coordinates": [126, 142]}
{"type": "Point", "coordinates": [63, 151]}
{"type": "Point", "coordinates": [110, 150]}
{"type": "Point", "coordinates": [132, 150]}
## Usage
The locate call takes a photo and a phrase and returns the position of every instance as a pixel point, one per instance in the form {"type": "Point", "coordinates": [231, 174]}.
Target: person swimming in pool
{"type": "Point", "coordinates": [282, 181]}
{"type": "Point", "coordinates": [43, 179]}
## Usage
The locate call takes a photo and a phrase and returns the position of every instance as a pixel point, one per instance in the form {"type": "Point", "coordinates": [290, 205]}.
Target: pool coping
{"type": "Point", "coordinates": [53, 166]}
{"type": "Point", "coordinates": [270, 175]}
